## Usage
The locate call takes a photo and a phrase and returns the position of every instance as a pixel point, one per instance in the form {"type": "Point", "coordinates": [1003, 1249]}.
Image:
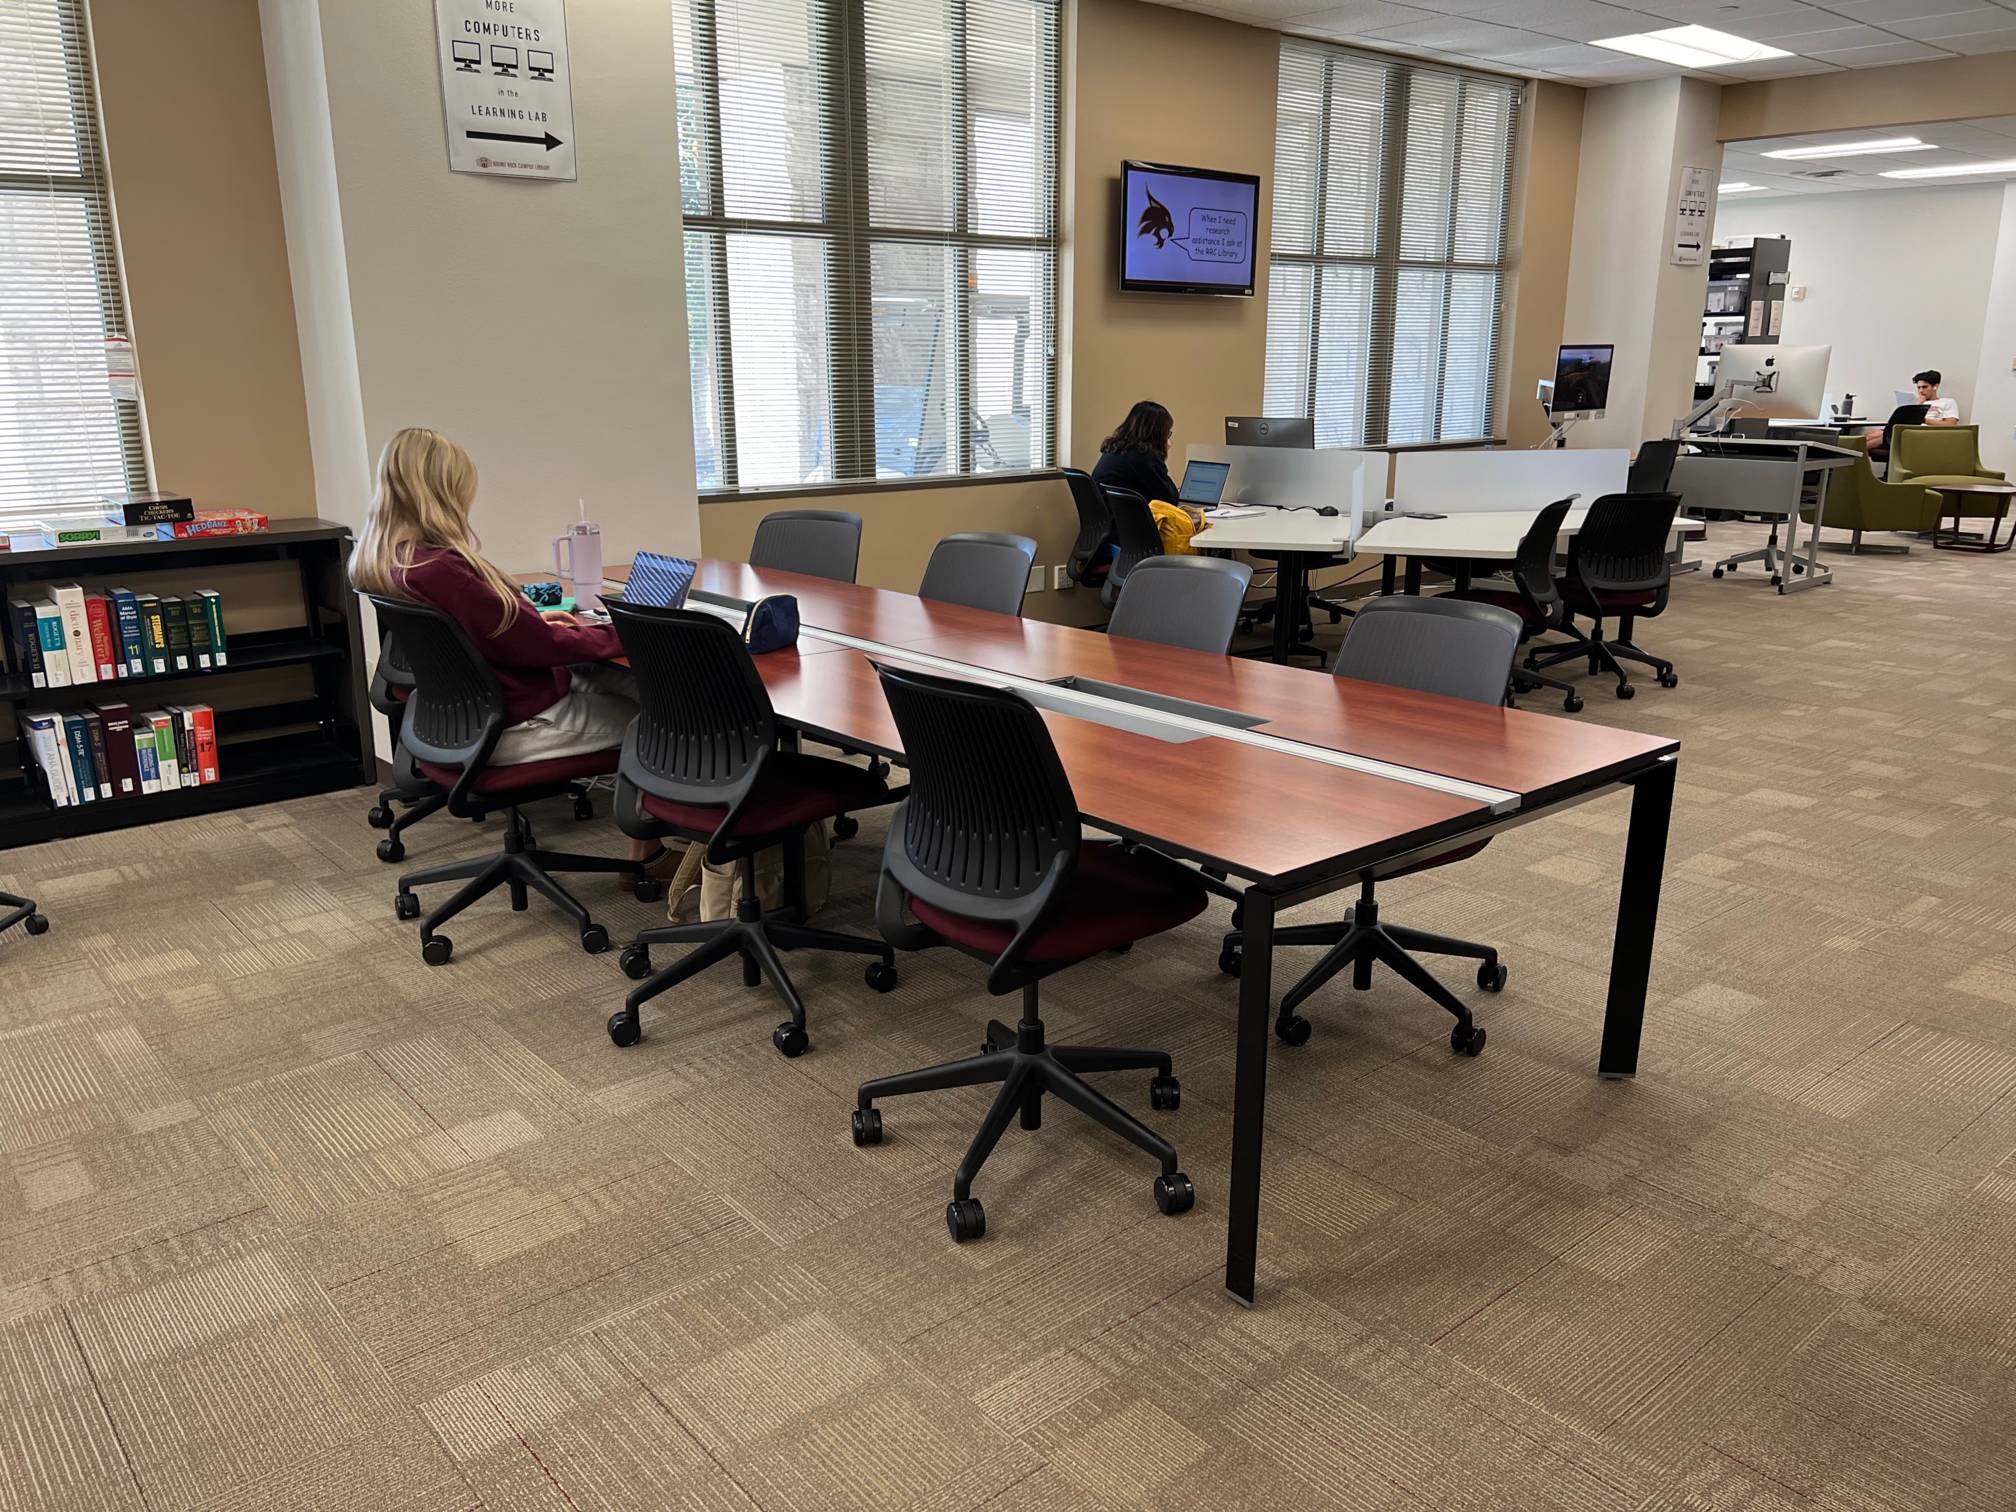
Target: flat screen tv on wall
{"type": "Point", "coordinates": [1187, 230]}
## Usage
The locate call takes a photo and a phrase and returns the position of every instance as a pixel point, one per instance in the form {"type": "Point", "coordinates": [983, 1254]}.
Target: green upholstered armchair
{"type": "Point", "coordinates": [1858, 500]}
{"type": "Point", "coordinates": [1943, 454]}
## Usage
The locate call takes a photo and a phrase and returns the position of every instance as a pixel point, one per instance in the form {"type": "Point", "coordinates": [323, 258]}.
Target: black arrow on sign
{"type": "Point", "coordinates": [549, 140]}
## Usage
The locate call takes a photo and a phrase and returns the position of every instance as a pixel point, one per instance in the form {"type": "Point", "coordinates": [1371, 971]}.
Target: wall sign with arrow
{"type": "Point", "coordinates": [507, 87]}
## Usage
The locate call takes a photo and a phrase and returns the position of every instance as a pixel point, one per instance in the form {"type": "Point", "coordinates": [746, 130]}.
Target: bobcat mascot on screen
{"type": "Point", "coordinates": [1156, 221]}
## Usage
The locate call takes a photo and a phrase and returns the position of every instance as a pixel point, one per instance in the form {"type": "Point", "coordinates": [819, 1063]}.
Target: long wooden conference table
{"type": "Point", "coordinates": [1300, 783]}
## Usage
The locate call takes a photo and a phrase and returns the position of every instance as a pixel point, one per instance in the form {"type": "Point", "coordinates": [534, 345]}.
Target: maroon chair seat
{"type": "Point", "coordinates": [1114, 898]}
{"type": "Point", "coordinates": [1583, 602]}
{"type": "Point", "coordinates": [521, 775]}
{"type": "Point", "coordinates": [1504, 598]}
{"type": "Point", "coordinates": [794, 790]}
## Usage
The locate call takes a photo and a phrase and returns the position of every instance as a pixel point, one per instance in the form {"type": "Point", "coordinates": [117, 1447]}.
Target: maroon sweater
{"type": "Point", "coordinates": [532, 656]}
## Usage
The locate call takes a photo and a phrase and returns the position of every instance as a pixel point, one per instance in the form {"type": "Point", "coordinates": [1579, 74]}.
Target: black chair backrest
{"type": "Point", "coordinates": [1135, 530]}
{"type": "Point", "coordinates": [1652, 468]}
{"type": "Point", "coordinates": [1433, 645]}
{"type": "Point", "coordinates": [704, 723]}
{"type": "Point", "coordinates": [1095, 528]}
{"type": "Point", "coordinates": [1533, 567]}
{"type": "Point", "coordinates": [392, 672]}
{"type": "Point", "coordinates": [1621, 547]}
{"type": "Point", "coordinates": [818, 542]}
{"type": "Point", "coordinates": [1187, 601]}
{"type": "Point", "coordinates": [456, 712]}
{"type": "Point", "coordinates": [990, 818]}
{"type": "Point", "coordinates": [982, 569]}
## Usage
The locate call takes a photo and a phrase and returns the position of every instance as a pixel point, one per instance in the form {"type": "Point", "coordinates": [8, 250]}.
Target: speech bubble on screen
{"type": "Point", "coordinates": [1215, 235]}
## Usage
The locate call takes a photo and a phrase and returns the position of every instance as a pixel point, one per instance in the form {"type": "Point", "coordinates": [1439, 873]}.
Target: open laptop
{"type": "Point", "coordinates": [1203, 484]}
{"type": "Point", "coordinates": [658, 582]}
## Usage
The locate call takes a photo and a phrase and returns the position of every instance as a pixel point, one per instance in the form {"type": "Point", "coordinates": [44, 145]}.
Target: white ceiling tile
{"type": "Point", "coordinates": [1953, 24]}
{"type": "Point", "coordinates": [1571, 20]}
{"type": "Point", "coordinates": [2003, 40]}
{"type": "Point", "coordinates": [1715, 13]}
{"type": "Point", "coordinates": [1458, 34]}
{"type": "Point", "coordinates": [1884, 12]}
{"type": "Point", "coordinates": [1837, 38]}
{"type": "Point", "coordinates": [1455, 7]}
{"type": "Point", "coordinates": [1777, 68]}
{"type": "Point", "coordinates": [1786, 23]}
{"type": "Point", "coordinates": [1883, 54]}
{"type": "Point", "coordinates": [1357, 16]}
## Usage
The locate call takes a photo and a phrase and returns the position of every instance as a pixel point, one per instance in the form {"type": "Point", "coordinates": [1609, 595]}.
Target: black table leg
{"type": "Point", "coordinates": [1386, 565]}
{"type": "Point", "coordinates": [1637, 919]}
{"type": "Point", "coordinates": [1414, 574]}
{"type": "Point", "coordinates": [1249, 1091]}
{"type": "Point", "coordinates": [1462, 576]}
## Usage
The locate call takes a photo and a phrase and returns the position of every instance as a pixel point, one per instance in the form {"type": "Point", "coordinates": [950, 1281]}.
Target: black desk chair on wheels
{"type": "Point", "coordinates": [18, 910]}
{"type": "Point", "coordinates": [1432, 645]}
{"type": "Point", "coordinates": [982, 569]}
{"type": "Point", "coordinates": [1617, 566]}
{"type": "Point", "coordinates": [1092, 553]}
{"type": "Point", "coordinates": [987, 856]}
{"type": "Point", "coordinates": [453, 720]}
{"type": "Point", "coordinates": [1535, 597]}
{"type": "Point", "coordinates": [1192, 602]}
{"type": "Point", "coordinates": [817, 542]}
{"type": "Point", "coordinates": [702, 761]}
{"type": "Point", "coordinates": [1137, 535]}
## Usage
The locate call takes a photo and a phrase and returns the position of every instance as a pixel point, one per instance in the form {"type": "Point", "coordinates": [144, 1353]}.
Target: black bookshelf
{"type": "Point", "coordinates": [266, 751]}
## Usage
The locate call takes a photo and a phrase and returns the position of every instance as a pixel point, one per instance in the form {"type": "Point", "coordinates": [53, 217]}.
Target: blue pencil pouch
{"type": "Point", "coordinates": [772, 624]}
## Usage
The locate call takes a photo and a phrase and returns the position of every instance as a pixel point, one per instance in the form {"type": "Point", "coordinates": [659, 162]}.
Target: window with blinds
{"type": "Point", "coordinates": [870, 193]}
{"type": "Point", "coordinates": [1387, 277]}
{"type": "Point", "coordinates": [64, 437]}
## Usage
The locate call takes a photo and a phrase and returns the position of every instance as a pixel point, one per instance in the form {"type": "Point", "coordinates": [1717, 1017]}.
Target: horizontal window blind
{"type": "Point", "coordinates": [64, 438]}
{"type": "Point", "coordinates": [870, 191]}
{"type": "Point", "coordinates": [1387, 279]}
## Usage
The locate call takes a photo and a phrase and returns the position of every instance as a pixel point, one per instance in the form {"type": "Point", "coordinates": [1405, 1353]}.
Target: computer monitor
{"type": "Point", "coordinates": [1774, 382]}
{"type": "Point", "coordinates": [1270, 430]}
{"type": "Point", "coordinates": [1581, 382]}
{"type": "Point", "coordinates": [1203, 484]}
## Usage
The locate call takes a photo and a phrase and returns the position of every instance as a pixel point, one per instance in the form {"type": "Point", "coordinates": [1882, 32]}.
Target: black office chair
{"type": "Point", "coordinates": [818, 542]}
{"type": "Point", "coordinates": [391, 685]}
{"type": "Point", "coordinates": [1137, 536]}
{"type": "Point", "coordinates": [1092, 553]}
{"type": "Point", "coordinates": [453, 720]}
{"type": "Point", "coordinates": [1448, 646]}
{"type": "Point", "coordinates": [22, 911]}
{"type": "Point", "coordinates": [1535, 597]}
{"type": "Point", "coordinates": [1652, 469]}
{"type": "Point", "coordinates": [982, 569]}
{"type": "Point", "coordinates": [1188, 601]}
{"type": "Point", "coordinates": [986, 854]}
{"type": "Point", "coordinates": [1617, 566]}
{"type": "Point", "coordinates": [702, 761]}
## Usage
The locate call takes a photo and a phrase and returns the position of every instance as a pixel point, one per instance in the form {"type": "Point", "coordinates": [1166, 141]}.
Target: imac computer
{"type": "Point", "coordinates": [1774, 382]}
{"type": "Point", "coordinates": [1581, 382]}
{"type": "Point", "coordinates": [1268, 430]}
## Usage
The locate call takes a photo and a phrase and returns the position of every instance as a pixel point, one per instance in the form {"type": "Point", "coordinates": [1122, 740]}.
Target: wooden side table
{"type": "Point", "coordinates": [1953, 496]}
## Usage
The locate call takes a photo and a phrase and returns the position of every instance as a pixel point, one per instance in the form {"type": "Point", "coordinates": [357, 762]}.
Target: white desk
{"type": "Point", "coordinates": [1297, 540]}
{"type": "Point", "coordinates": [1484, 534]}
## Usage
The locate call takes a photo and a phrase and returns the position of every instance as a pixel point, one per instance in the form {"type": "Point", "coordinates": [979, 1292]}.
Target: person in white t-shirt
{"type": "Point", "coordinates": [1938, 411]}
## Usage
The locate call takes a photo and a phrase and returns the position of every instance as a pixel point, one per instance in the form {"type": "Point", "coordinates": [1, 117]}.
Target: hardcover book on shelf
{"type": "Point", "coordinates": [175, 623]}
{"type": "Point", "coordinates": [199, 633]}
{"type": "Point", "coordinates": [27, 642]}
{"type": "Point", "coordinates": [98, 617]}
{"type": "Point", "coordinates": [55, 653]}
{"type": "Point", "coordinates": [185, 746]}
{"type": "Point", "coordinates": [47, 745]}
{"type": "Point", "coordinates": [69, 598]}
{"type": "Point", "coordinates": [123, 756]}
{"type": "Point", "coordinates": [77, 746]}
{"type": "Point", "coordinates": [148, 756]}
{"type": "Point", "coordinates": [200, 721]}
{"type": "Point", "coordinates": [213, 612]}
{"type": "Point", "coordinates": [126, 616]}
{"type": "Point", "coordinates": [163, 726]}
{"type": "Point", "coordinates": [101, 760]}
{"type": "Point", "coordinates": [153, 634]}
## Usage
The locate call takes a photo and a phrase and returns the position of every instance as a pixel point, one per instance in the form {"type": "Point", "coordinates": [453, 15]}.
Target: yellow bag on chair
{"type": "Point", "coordinates": [1177, 526]}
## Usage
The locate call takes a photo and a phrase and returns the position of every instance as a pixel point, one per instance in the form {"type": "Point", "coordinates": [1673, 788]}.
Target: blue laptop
{"type": "Point", "coordinates": [658, 582]}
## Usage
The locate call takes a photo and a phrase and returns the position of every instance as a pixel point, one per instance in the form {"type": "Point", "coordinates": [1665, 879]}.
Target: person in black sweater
{"type": "Point", "coordinates": [1136, 455]}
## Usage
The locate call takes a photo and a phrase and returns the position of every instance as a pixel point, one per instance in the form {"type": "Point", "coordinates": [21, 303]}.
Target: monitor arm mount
{"type": "Point", "coordinates": [1725, 398]}
{"type": "Point", "coordinates": [1557, 435]}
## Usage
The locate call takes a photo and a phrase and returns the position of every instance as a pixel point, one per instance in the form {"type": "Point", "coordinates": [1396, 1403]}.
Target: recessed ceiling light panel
{"type": "Point", "coordinates": [1737, 188]}
{"type": "Point", "coordinates": [1856, 149]}
{"type": "Point", "coordinates": [1950, 170]}
{"type": "Point", "coordinates": [1693, 47]}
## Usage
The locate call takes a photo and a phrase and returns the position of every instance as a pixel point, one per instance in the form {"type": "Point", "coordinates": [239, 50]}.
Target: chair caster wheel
{"type": "Point", "coordinates": [1238, 915]}
{"type": "Point", "coordinates": [881, 976]}
{"type": "Point", "coordinates": [965, 1219]}
{"type": "Point", "coordinates": [36, 924]}
{"type": "Point", "coordinates": [1491, 976]}
{"type": "Point", "coordinates": [1798, 569]}
{"type": "Point", "coordinates": [867, 1126]}
{"type": "Point", "coordinates": [1717, 572]}
{"type": "Point", "coordinates": [1229, 960]}
{"type": "Point", "coordinates": [1165, 1094]}
{"type": "Point", "coordinates": [594, 939]}
{"type": "Point", "coordinates": [406, 905]}
{"type": "Point", "coordinates": [391, 850]}
{"type": "Point", "coordinates": [635, 961]}
{"type": "Point", "coordinates": [1174, 1194]}
{"type": "Point", "coordinates": [1669, 679]}
{"type": "Point", "coordinates": [435, 952]}
{"type": "Point", "coordinates": [790, 1040]}
{"type": "Point", "coordinates": [1469, 1040]}
{"type": "Point", "coordinates": [1293, 1031]}
{"type": "Point", "coordinates": [584, 809]}
{"type": "Point", "coordinates": [846, 827]}
{"type": "Point", "coordinates": [1625, 690]}
{"type": "Point", "coordinates": [1572, 704]}
{"type": "Point", "coordinates": [379, 817]}
{"type": "Point", "coordinates": [625, 1029]}
{"type": "Point", "coordinates": [648, 890]}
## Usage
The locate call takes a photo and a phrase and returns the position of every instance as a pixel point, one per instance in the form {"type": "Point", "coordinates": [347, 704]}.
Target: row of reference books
{"type": "Point", "coordinates": [73, 637]}
{"type": "Point", "coordinates": [108, 751]}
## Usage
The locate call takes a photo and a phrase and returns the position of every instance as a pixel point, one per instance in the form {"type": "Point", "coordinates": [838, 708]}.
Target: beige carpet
{"type": "Point", "coordinates": [289, 1220]}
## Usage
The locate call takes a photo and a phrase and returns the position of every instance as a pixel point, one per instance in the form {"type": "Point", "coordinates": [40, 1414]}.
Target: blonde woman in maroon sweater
{"type": "Point", "coordinates": [562, 696]}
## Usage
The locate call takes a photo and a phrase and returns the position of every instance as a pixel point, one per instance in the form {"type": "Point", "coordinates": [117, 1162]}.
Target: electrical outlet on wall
{"type": "Point", "coordinates": [1036, 580]}
{"type": "Point", "coordinates": [1060, 577]}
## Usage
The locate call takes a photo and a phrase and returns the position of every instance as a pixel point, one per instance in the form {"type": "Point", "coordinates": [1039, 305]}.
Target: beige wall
{"type": "Point", "coordinates": [1947, 89]}
{"type": "Point", "coordinates": [191, 150]}
{"type": "Point", "coordinates": [1542, 231]}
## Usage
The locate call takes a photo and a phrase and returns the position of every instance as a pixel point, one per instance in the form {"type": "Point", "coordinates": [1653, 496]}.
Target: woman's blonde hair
{"type": "Point", "coordinates": [426, 487]}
